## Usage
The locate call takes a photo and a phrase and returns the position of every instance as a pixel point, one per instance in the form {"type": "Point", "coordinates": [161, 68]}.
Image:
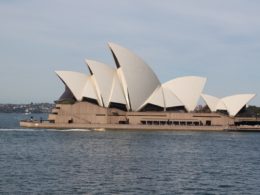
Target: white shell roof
{"type": "Point", "coordinates": [107, 82]}
{"type": "Point", "coordinates": [211, 101]}
{"type": "Point", "coordinates": [75, 81]}
{"type": "Point", "coordinates": [221, 106]}
{"type": "Point", "coordinates": [187, 90]}
{"type": "Point", "coordinates": [233, 104]}
{"type": "Point", "coordinates": [90, 90]}
{"type": "Point", "coordinates": [80, 85]}
{"type": "Point", "coordinates": [171, 99]}
{"type": "Point", "coordinates": [236, 102]}
{"type": "Point", "coordinates": [140, 79]}
{"type": "Point", "coordinates": [164, 98]}
{"type": "Point", "coordinates": [134, 84]}
{"type": "Point", "coordinates": [156, 98]}
{"type": "Point", "coordinates": [104, 76]}
{"type": "Point", "coordinates": [117, 93]}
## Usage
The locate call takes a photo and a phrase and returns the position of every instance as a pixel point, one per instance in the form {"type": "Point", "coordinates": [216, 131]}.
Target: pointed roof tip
{"type": "Point", "coordinates": [207, 95]}
{"type": "Point", "coordinates": [62, 73]}
{"type": "Point", "coordinates": [204, 79]}
{"type": "Point", "coordinates": [92, 63]}
{"type": "Point", "coordinates": [200, 77]}
{"type": "Point", "coordinates": [87, 62]}
{"type": "Point", "coordinates": [59, 72]}
{"type": "Point", "coordinates": [111, 43]}
{"type": "Point", "coordinates": [242, 94]}
{"type": "Point", "coordinates": [252, 95]}
{"type": "Point", "coordinates": [65, 71]}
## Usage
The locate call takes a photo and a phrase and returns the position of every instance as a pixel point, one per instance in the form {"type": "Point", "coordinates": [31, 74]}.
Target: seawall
{"type": "Point", "coordinates": [46, 125]}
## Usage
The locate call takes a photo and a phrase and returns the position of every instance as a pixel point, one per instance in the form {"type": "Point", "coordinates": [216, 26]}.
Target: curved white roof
{"type": "Point", "coordinates": [141, 81]}
{"type": "Point", "coordinates": [187, 89]}
{"type": "Point", "coordinates": [104, 76]}
{"type": "Point", "coordinates": [211, 101]}
{"type": "Point", "coordinates": [157, 98]}
{"type": "Point", "coordinates": [134, 84]}
{"type": "Point", "coordinates": [236, 102]}
{"type": "Point", "coordinates": [171, 100]}
{"type": "Point", "coordinates": [91, 90]}
{"type": "Point", "coordinates": [233, 104]}
{"type": "Point", "coordinates": [123, 83]}
{"type": "Point", "coordinates": [107, 82]}
{"type": "Point", "coordinates": [117, 92]}
{"type": "Point", "coordinates": [221, 106]}
{"type": "Point", "coordinates": [164, 98]}
{"type": "Point", "coordinates": [75, 81]}
{"type": "Point", "coordinates": [80, 85]}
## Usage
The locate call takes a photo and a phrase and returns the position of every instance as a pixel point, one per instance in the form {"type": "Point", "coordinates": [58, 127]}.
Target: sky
{"type": "Point", "coordinates": [219, 40]}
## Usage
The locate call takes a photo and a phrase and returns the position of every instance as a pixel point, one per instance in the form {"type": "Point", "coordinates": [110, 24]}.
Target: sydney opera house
{"type": "Point", "coordinates": [130, 96]}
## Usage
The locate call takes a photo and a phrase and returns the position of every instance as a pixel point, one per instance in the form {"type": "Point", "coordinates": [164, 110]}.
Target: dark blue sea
{"type": "Point", "coordinates": [126, 162]}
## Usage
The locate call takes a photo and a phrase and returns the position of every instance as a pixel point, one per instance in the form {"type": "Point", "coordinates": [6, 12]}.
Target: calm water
{"type": "Point", "coordinates": [112, 162]}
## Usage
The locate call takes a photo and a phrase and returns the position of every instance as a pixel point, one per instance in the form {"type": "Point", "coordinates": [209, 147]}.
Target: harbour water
{"type": "Point", "coordinates": [126, 162]}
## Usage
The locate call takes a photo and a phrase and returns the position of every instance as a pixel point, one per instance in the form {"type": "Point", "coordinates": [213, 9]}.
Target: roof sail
{"type": "Point", "coordinates": [139, 78]}
{"type": "Point", "coordinates": [187, 89]}
{"type": "Point", "coordinates": [75, 81]}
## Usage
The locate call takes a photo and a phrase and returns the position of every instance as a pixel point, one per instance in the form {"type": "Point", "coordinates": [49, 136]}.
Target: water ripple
{"type": "Point", "coordinates": [128, 162]}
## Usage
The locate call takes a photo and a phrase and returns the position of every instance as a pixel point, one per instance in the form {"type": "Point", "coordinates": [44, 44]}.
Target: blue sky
{"type": "Point", "coordinates": [216, 39]}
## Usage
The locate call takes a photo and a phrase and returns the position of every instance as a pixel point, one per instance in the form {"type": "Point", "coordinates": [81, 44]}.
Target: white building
{"type": "Point", "coordinates": [134, 85]}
